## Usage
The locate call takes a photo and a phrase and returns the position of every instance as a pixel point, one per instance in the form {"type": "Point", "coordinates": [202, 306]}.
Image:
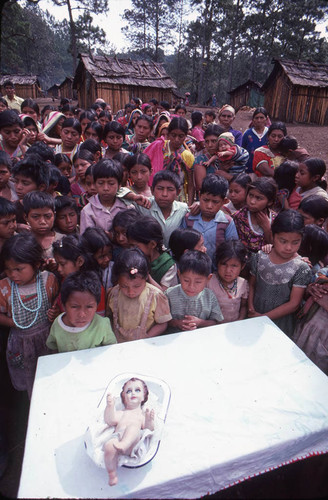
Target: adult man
{"type": "Point", "coordinates": [14, 102]}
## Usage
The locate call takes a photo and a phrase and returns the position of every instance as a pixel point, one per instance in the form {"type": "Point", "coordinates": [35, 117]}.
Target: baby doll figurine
{"type": "Point", "coordinates": [128, 423]}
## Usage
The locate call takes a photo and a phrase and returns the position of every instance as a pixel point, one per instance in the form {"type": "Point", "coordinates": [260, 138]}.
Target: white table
{"type": "Point", "coordinates": [244, 400]}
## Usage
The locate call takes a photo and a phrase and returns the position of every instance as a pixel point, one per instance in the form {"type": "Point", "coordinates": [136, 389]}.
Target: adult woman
{"type": "Point", "coordinates": [256, 136]}
{"type": "Point", "coordinates": [267, 158]}
{"type": "Point", "coordinates": [226, 116]}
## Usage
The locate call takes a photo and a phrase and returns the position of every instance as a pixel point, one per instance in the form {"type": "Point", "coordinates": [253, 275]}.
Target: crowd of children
{"type": "Point", "coordinates": [125, 227]}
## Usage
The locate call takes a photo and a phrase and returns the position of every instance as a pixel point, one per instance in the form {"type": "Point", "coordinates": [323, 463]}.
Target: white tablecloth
{"type": "Point", "coordinates": [244, 399]}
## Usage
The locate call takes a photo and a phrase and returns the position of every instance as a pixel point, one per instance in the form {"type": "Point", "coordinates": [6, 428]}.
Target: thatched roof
{"type": "Point", "coordinates": [305, 74]}
{"type": "Point", "coordinates": [20, 79]}
{"type": "Point", "coordinates": [124, 72]}
{"type": "Point", "coordinates": [249, 83]}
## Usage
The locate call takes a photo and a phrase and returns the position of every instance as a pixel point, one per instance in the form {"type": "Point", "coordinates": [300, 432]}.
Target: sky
{"type": "Point", "coordinates": [112, 22]}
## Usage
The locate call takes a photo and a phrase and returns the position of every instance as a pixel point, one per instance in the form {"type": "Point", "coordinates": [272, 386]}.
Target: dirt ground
{"type": "Point", "coordinates": [311, 137]}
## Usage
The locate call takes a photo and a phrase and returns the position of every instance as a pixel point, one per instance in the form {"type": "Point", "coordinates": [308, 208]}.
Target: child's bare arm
{"type": "Point", "coordinates": [157, 329]}
{"type": "Point", "coordinates": [111, 415]}
{"type": "Point", "coordinates": [251, 283]}
{"type": "Point", "coordinates": [6, 320]}
{"type": "Point", "coordinates": [289, 307]}
{"type": "Point", "coordinates": [243, 309]}
{"type": "Point", "coordinates": [211, 160]}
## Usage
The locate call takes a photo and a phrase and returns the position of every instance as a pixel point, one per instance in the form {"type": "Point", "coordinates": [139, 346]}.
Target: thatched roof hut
{"type": "Point", "coordinates": [25, 85]}
{"type": "Point", "coordinates": [247, 94]}
{"type": "Point", "coordinates": [297, 91]}
{"type": "Point", "coordinates": [117, 80]}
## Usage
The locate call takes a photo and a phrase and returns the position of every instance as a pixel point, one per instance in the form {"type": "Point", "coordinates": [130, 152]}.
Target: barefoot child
{"type": "Point", "coordinates": [128, 423]}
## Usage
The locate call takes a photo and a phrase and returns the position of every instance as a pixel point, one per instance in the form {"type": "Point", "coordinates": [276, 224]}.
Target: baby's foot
{"type": "Point", "coordinates": [150, 419]}
{"type": "Point", "coordinates": [112, 478]}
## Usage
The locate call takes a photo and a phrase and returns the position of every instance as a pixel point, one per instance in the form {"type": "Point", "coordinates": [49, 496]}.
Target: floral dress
{"type": "Point", "coordinates": [274, 283]}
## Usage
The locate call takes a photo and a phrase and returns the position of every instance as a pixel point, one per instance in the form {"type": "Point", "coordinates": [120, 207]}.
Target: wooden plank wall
{"type": "Point", "coordinates": [25, 91]}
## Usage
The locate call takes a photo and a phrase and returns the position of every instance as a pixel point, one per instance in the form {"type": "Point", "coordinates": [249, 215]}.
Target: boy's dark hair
{"type": "Point", "coordinates": [115, 127]}
{"type": "Point", "coordinates": [81, 281]}
{"type": "Point", "coordinates": [315, 205]}
{"type": "Point", "coordinates": [84, 154]}
{"type": "Point", "coordinates": [62, 202]}
{"type": "Point", "coordinates": [23, 248]}
{"type": "Point", "coordinates": [54, 175]}
{"type": "Point", "coordinates": [129, 260]}
{"type": "Point", "coordinates": [107, 168]}
{"type": "Point", "coordinates": [41, 149]}
{"type": "Point", "coordinates": [121, 157]}
{"type": "Point", "coordinates": [154, 101]}
{"type": "Point", "coordinates": [8, 117]}
{"type": "Point", "coordinates": [215, 185]}
{"type": "Point", "coordinates": [196, 118]}
{"type": "Point", "coordinates": [8, 83]}
{"type": "Point", "coordinates": [231, 249]}
{"type": "Point", "coordinates": [125, 217]}
{"type": "Point", "coordinates": [167, 175]}
{"type": "Point", "coordinates": [182, 240]}
{"type": "Point", "coordinates": [210, 112]}
{"type": "Point", "coordinates": [7, 207]}
{"type": "Point", "coordinates": [5, 160]}
{"type": "Point", "coordinates": [213, 130]}
{"type": "Point", "coordinates": [288, 221]}
{"type": "Point", "coordinates": [33, 168]}
{"type": "Point", "coordinates": [38, 199]}
{"type": "Point", "coordinates": [195, 261]}
{"type": "Point", "coordinates": [91, 145]}
{"type": "Point", "coordinates": [165, 105]}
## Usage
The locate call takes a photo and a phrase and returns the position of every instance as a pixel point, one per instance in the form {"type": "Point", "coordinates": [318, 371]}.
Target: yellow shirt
{"type": "Point", "coordinates": [15, 103]}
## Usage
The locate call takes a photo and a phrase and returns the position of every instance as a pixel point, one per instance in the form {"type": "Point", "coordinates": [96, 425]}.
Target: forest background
{"type": "Point", "coordinates": [207, 46]}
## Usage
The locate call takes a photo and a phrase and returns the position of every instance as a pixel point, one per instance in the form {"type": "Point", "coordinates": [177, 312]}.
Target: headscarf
{"type": "Point", "coordinates": [51, 121]}
{"type": "Point", "coordinates": [130, 125]}
{"type": "Point", "coordinates": [166, 116]}
{"type": "Point", "coordinates": [227, 107]}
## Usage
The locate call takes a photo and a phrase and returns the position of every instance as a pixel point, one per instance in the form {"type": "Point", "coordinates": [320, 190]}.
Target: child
{"type": "Point", "coordinates": [211, 137]}
{"type": "Point", "coordinates": [138, 309]}
{"type": "Point", "coordinates": [7, 220]}
{"type": "Point", "coordinates": [267, 158]}
{"type": "Point", "coordinates": [29, 174]}
{"type": "Point", "coordinates": [81, 161]}
{"type": "Point", "coordinates": [79, 327]}
{"type": "Point", "coordinates": [253, 222]}
{"type": "Point", "coordinates": [12, 136]}
{"type": "Point", "coordinates": [94, 131]}
{"type": "Point", "coordinates": [26, 295]}
{"type": "Point", "coordinates": [121, 222]}
{"type": "Point", "coordinates": [314, 246]}
{"type": "Point", "coordinates": [314, 210]}
{"type": "Point", "coordinates": [64, 164]}
{"type": "Point", "coordinates": [128, 423]}
{"type": "Point", "coordinates": [193, 305]}
{"type": "Point", "coordinates": [70, 136]}
{"type": "Point", "coordinates": [102, 208]}
{"type": "Point", "coordinates": [168, 212]}
{"type": "Point", "coordinates": [138, 142]}
{"type": "Point", "coordinates": [290, 149]}
{"type": "Point", "coordinates": [209, 116]}
{"type": "Point", "coordinates": [90, 188]}
{"type": "Point", "coordinates": [185, 239]}
{"type": "Point", "coordinates": [7, 187]}
{"type": "Point", "coordinates": [114, 136]}
{"type": "Point", "coordinates": [279, 279]}
{"type": "Point", "coordinates": [31, 108]}
{"type": "Point", "coordinates": [232, 158]}
{"type": "Point", "coordinates": [99, 252]}
{"type": "Point", "coordinates": [238, 186]}
{"type": "Point", "coordinates": [94, 147]}
{"type": "Point", "coordinates": [311, 329]}
{"type": "Point", "coordinates": [285, 177]}
{"type": "Point", "coordinates": [39, 208]}
{"type": "Point", "coordinates": [214, 225]}
{"type": "Point", "coordinates": [197, 131]}
{"type": "Point", "coordinates": [310, 178]}
{"type": "Point", "coordinates": [67, 215]}
{"type": "Point", "coordinates": [139, 168]}
{"type": "Point", "coordinates": [229, 288]}
{"type": "Point", "coordinates": [146, 234]}
{"type": "Point", "coordinates": [30, 130]}
{"type": "Point", "coordinates": [85, 118]}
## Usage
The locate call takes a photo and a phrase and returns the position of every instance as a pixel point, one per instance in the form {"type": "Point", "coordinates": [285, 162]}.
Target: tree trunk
{"type": "Point", "coordinates": [73, 35]}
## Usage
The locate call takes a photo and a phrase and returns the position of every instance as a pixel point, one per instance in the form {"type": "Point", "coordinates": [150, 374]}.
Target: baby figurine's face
{"type": "Point", "coordinates": [133, 394]}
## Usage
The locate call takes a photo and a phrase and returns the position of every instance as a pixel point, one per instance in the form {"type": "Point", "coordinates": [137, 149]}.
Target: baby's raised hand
{"type": "Point", "coordinates": [110, 400]}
